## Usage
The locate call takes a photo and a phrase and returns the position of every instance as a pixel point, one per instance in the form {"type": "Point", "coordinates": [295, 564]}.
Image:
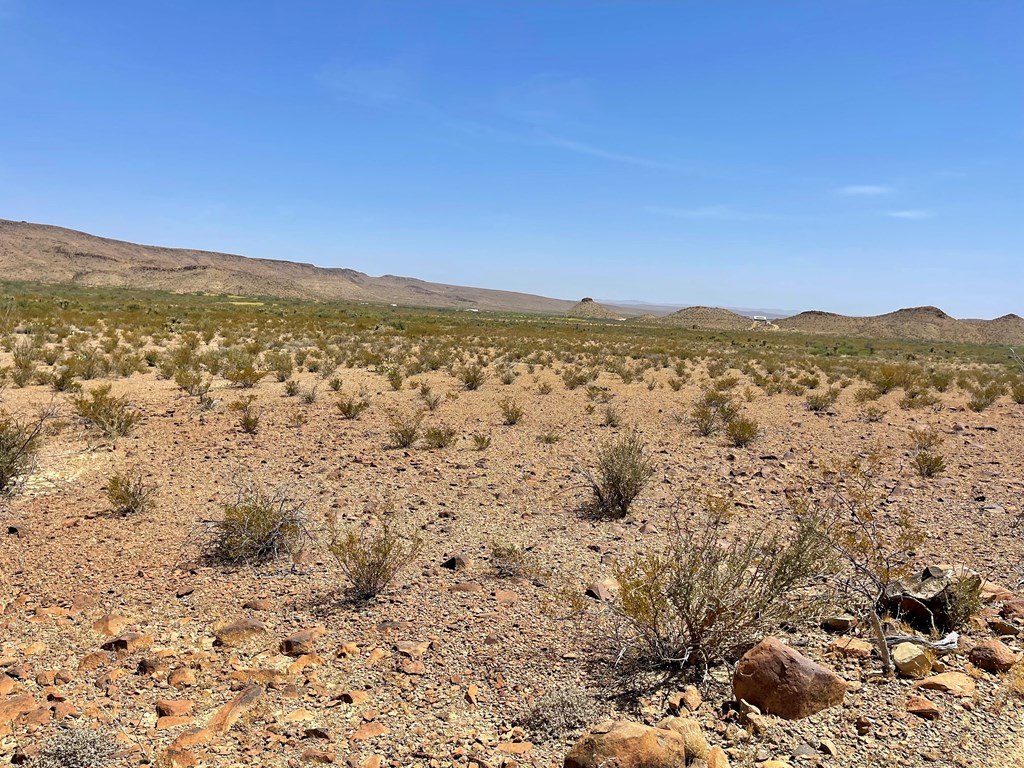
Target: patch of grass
{"type": "Point", "coordinates": [481, 441]}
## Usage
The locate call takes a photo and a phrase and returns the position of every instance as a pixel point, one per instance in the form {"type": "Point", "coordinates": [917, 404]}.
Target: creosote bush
{"type": "Point", "coordinates": [713, 592]}
{"type": "Point", "coordinates": [928, 464]}
{"type": "Point", "coordinates": [742, 431]}
{"type": "Point", "coordinates": [439, 437]}
{"type": "Point", "coordinates": [129, 493]}
{"type": "Point", "coordinates": [511, 411]}
{"type": "Point", "coordinates": [20, 441]}
{"type": "Point", "coordinates": [258, 526]}
{"type": "Point", "coordinates": [248, 414]}
{"type": "Point", "coordinates": [404, 429]}
{"type": "Point", "coordinates": [114, 416]}
{"type": "Point", "coordinates": [371, 557]}
{"type": "Point", "coordinates": [472, 376]}
{"type": "Point", "coordinates": [623, 470]}
{"type": "Point", "coordinates": [351, 406]}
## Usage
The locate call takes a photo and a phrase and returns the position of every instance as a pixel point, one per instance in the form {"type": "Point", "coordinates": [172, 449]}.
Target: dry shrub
{"type": "Point", "coordinates": [623, 470]}
{"type": "Point", "coordinates": [352, 407]}
{"type": "Point", "coordinates": [76, 748]}
{"type": "Point", "coordinates": [818, 402]}
{"type": "Point", "coordinates": [248, 414]}
{"type": "Point", "coordinates": [114, 416]}
{"type": "Point", "coordinates": [128, 492]}
{"type": "Point", "coordinates": [372, 557]}
{"type": "Point", "coordinates": [558, 714]}
{"type": "Point", "coordinates": [404, 429]}
{"type": "Point", "coordinates": [710, 595]}
{"type": "Point", "coordinates": [20, 441]}
{"type": "Point", "coordinates": [259, 526]}
{"type": "Point", "coordinates": [472, 376]}
{"type": "Point", "coordinates": [511, 411]}
{"type": "Point", "coordinates": [928, 464]}
{"type": "Point", "coordinates": [439, 437]}
{"type": "Point", "coordinates": [742, 431]}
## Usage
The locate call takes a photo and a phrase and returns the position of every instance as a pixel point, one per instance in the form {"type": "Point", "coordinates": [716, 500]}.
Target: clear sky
{"type": "Point", "coordinates": [851, 156]}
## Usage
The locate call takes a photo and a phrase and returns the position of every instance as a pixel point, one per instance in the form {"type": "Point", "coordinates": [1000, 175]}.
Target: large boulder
{"type": "Point", "coordinates": [781, 681]}
{"type": "Point", "coordinates": [625, 744]}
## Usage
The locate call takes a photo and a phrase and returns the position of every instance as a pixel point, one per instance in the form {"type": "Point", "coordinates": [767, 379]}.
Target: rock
{"type": "Point", "coordinates": [851, 647]}
{"type": "Point", "coordinates": [993, 656]}
{"type": "Point", "coordinates": [1003, 627]}
{"type": "Point", "coordinates": [467, 587]}
{"type": "Point", "coordinates": [228, 715]}
{"type": "Point", "coordinates": [13, 707]}
{"type": "Point", "coordinates": [625, 744]}
{"type": "Point", "coordinates": [182, 677]}
{"type": "Point", "coordinates": [413, 649]}
{"type": "Point", "coordinates": [258, 604]}
{"type": "Point", "coordinates": [697, 746]}
{"type": "Point", "coordinates": [922, 707]}
{"type": "Point", "coordinates": [717, 758]}
{"type": "Point", "coordinates": [599, 591]}
{"type": "Point", "coordinates": [911, 660]}
{"type": "Point", "coordinates": [828, 747]}
{"type": "Point", "coordinates": [173, 707]}
{"type": "Point", "coordinates": [313, 755]}
{"type": "Point", "coordinates": [301, 643]}
{"type": "Point", "coordinates": [843, 622]}
{"type": "Point", "coordinates": [781, 681]}
{"type": "Point", "coordinates": [370, 730]}
{"type": "Point", "coordinates": [956, 683]}
{"type": "Point", "coordinates": [128, 642]}
{"type": "Point", "coordinates": [924, 600]}
{"type": "Point", "coordinates": [239, 631]}
{"type": "Point", "coordinates": [688, 699]}
{"type": "Point", "coordinates": [458, 563]}
{"type": "Point", "coordinates": [110, 624]}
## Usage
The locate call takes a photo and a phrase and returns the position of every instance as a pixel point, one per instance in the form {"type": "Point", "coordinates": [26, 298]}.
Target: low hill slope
{"type": "Point", "coordinates": [589, 309]}
{"type": "Point", "coordinates": [708, 317]}
{"type": "Point", "coordinates": [42, 253]}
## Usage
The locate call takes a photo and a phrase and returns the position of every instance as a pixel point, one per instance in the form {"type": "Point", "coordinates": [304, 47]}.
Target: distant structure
{"type": "Point", "coordinates": [762, 320]}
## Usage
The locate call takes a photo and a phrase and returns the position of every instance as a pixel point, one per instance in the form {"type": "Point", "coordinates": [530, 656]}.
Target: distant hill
{"type": "Point", "coordinates": [708, 317]}
{"type": "Point", "coordinates": [589, 309]}
{"type": "Point", "coordinates": [47, 254]}
{"type": "Point", "coordinates": [919, 323]}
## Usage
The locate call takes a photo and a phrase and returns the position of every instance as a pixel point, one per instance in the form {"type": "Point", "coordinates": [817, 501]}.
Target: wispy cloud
{"type": "Point", "coordinates": [913, 213]}
{"type": "Point", "coordinates": [581, 148]}
{"type": "Point", "coordinates": [865, 190]}
{"type": "Point", "coordinates": [708, 212]}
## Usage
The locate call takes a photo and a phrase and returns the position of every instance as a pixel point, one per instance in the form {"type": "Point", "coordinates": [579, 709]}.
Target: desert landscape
{"type": "Point", "coordinates": [246, 530]}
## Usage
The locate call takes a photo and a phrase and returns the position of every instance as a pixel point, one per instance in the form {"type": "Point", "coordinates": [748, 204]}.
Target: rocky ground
{"type": "Point", "coordinates": [117, 625]}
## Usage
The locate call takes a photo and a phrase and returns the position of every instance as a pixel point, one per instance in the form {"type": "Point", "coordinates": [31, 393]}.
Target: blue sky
{"type": "Point", "coordinates": [850, 156]}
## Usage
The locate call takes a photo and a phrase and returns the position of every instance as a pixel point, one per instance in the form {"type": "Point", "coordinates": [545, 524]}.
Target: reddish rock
{"type": "Point", "coordinates": [228, 714]}
{"type": "Point", "coordinates": [110, 624]}
{"type": "Point", "coordinates": [129, 642]}
{"type": "Point", "coordinates": [920, 706]}
{"type": "Point", "coordinates": [851, 647]}
{"type": "Point", "coordinates": [239, 631]}
{"type": "Point", "coordinates": [182, 677]}
{"type": "Point", "coordinates": [172, 721]}
{"type": "Point", "coordinates": [993, 656]}
{"type": "Point", "coordinates": [301, 642]}
{"type": "Point", "coordinates": [625, 744]}
{"type": "Point", "coordinates": [780, 681]}
{"type": "Point", "coordinates": [458, 563]}
{"type": "Point", "coordinates": [173, 707]}
{"type": "Point", "coordinates": [369, 731]}
{"type": "Point", "coordinates": [956, 683]}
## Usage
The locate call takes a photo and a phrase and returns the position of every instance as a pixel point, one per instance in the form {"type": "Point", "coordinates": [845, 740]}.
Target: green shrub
{"type": "Point", "coordinates": [472, 376]}
{"type": "Point", "coordinates": [114, 416]}
{"type": "Point", "coordinates": [373, 557]}
{"type": "Point", "coordinates": [710, 595]}
{"type": "Point", "coordinates": [249, 415]}
{"type": "Point", "coordinates": [928, 464]}
{"type": "Point", "coordinates": [292, 388]}
{"type": "Point", "coordinates": [817, 402]}
{"type": "Point", "coordinates": [623, 470]}
{"type": "Point", "coordinates": [129, 493]}
{"type": "Point", "coordinates": [611, 417]}
{"type": "Point", "coordinates": [481, 441]}
{"type": "Point", "coordinates": [742, 431]}
{"type": "Point", "coordinates": [511, 411]}
{"type": "Point", "coordinates": [439, 437]}
{"type": "Point", "coordinates": [351, 407]}
{"type": "Point", "coordinates": [405, 429]}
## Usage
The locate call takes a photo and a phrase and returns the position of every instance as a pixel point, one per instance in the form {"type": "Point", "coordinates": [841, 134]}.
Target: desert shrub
{"type": "Point", "coordinates": [941, 379]}
{"type": "Point", "coordinates": [984, 394]}
{"type": "Point", "coordinates": [114, 416]}
{"type": "Point", "coordinates": [129, 493]}
{"type": "Point", "coordinates": [76, 748]}
{"type": "Point", "coordinates": [712, 411]}
{"type": "Point", "coordinates": [817, 402]}
{"type": "Point", "coordinates": [404, 429]}
{"type": "Point", "coordinates": [544, 388]}
{"type": "Point", "coordinates": [431, 399]}
{"type": "Point", "coordinates": [918, 397]}
{"type": "Point", "coordinates": [258, 526]}
{"type": "Point", "coordinates": [924, 439]}
{"type": "Point", "coordinates": [308, 396]}
{"type": "Point", "coordinates": [576, 377]}
{"type": "Point", "coordinates": [351, 406]}
{"type": "Point", "coordinates": [548, 438]}
{"type": "Point", "coordinates": [372, 557]}
{"type": "Point", "coordinates": [63, 380]}
{"type": "Point", "coordinates": [192, 381]}
{"type": "Point", "coordinates": [866, 394]}
{"type": "Point", "coordinates": [20, 441]}
{"type": "Point", "coordinates": [872, 413]}
{"type": "Point", "coordinates": [742, 431]}
{"type": "Point", "coordinates": [335, 384]}
{"type": "Point", "coordinates": [962, 600]}
{"type": "Point", "coordinates": [511, 411]}
{"type": "Point", "coordinates": [558, 714]}
{"type": "Point", "coordinates": [507, 375]}
{"type": "Point", "coordinates": [395, 377]}
{"type": "Point", "coordinates": [612, 418]}
{"type": "Point", "coordinates": [928, 463]}
{"type": "Point", "coordinates": [889, 376]}
{"type": "Point", "coordinates": [439, 437]}
{"type": "Point", "coordinates": [623, 470]}
{"type": "Point", "coordinates": [241, 369]}
{"type": "Point", "coordinates": [472, 376]}
{"type": "Point", "coordinates": [249, 415]}
{"type": "Point", "coordinates": [481, 441]}
{"type": "Point", "coordinates": [280, 364]}
{"type": "Point", "coordinates": [509, 560]}
{"type": "Point", "coordinates": [710, 595]}
{"type": "Point", "coordinates": [1017, 391]}
{"type": "Point", "coordinates": [292, 388]}
{"type": "Point", "coordinates": [675, 383]}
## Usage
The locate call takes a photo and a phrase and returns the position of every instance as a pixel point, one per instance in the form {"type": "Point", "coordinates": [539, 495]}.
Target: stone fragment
{"type": "Point", "coordinates": [781, 681]}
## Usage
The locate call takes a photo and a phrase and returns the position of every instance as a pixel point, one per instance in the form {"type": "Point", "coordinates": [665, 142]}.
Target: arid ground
{"type": "Point", "coordinates": [131, 626]}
